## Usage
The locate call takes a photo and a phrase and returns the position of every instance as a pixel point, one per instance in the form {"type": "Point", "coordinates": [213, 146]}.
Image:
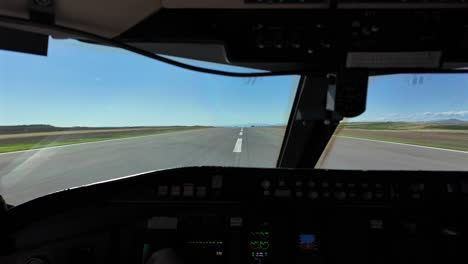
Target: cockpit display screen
{"type": "Point", "coordinates": [307, 243]}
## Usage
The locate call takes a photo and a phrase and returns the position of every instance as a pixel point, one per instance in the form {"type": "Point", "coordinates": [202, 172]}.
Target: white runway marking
{"type": "Point", "coordinates": [238, 146]}
{"type": "Point", "coordinates": [240, 133]}
{"type": "Point", "coordinates": [403, 144]}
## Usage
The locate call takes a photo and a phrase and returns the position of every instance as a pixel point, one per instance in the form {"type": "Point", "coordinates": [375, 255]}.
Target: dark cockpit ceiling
{"type": "Point", "coordinates": [278, 35]}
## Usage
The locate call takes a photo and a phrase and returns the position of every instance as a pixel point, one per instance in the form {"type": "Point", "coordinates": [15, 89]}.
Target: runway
{"type": "Point", "coordinates": [29, 174]}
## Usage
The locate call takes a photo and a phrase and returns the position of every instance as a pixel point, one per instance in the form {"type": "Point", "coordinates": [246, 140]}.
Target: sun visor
{"type": "Point", "coordinates": [106, 18]}
{"type": "Point", "coordinates": [22, 41]}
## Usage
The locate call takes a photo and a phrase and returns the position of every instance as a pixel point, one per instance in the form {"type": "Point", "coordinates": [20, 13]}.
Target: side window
{"type": "Point", "coordinates": [412, 122]}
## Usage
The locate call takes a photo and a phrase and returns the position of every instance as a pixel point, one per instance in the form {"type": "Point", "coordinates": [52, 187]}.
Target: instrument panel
{"type": "Point", "coordinates": [244, 215]}
{"type": "Point", "coordinates": [324, 40]}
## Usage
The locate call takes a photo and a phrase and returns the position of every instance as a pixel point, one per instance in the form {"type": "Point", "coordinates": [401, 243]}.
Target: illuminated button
{"type": "Point", "coordinates": [326, 194]}
{"type": "Point", "coordinates": [379, 195]}
{"type": "Point", "coordinates": [201, 191]}
{"type": "Point", "coordinates": [175, 190]}
{"type": "Point", "coordinates": [298, 183]}
{"type": "Point", "coordinates": [163, 190]}
{"type": "Point", "coordinates": [313, 195]}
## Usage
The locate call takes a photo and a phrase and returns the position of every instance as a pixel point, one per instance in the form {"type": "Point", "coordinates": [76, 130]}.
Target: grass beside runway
{"type": "Point", "coordinates": [440, 135]}
{"type": "Point", "coordinates": [18, 142]}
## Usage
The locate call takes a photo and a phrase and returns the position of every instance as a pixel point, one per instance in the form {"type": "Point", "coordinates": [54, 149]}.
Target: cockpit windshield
{"type": "Point", "coordinates": [87, 113]}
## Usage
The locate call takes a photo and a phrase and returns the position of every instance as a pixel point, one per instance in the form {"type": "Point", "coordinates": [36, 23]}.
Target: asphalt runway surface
{"type": "Point", "coordinates": [26, 175]}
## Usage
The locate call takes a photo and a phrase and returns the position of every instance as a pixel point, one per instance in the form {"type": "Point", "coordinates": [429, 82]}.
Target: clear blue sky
{"type": "Point", "coordinates": [417, 97]}
{"type": "Point", "coordinates": [86, 85]}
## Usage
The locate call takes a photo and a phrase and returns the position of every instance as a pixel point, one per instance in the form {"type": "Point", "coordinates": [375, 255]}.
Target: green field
{"type": "Point", "coordinates": [25, 141]}
{"type": "Point", "coordinates": [442, 135]}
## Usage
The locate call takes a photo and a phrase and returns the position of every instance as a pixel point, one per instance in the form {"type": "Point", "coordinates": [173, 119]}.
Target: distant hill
{"type": "Point", "coordinates": [451, 120]}
{"type": "Point", "coordinates": [28, 129]}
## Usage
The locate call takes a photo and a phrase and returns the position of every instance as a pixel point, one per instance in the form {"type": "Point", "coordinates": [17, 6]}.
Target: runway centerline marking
{"type": "Point", "coordinates": [238, 146]}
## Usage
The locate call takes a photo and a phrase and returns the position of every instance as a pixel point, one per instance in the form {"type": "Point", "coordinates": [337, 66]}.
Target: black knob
{"type": "Point", "coordinates": [265, 184]}
{"type": "Point", "coordinates": [311, 183]}
{"type": "Point", "coordinates": [340, 195]}
{"type": "Point", "coordinates": [313, 195]}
